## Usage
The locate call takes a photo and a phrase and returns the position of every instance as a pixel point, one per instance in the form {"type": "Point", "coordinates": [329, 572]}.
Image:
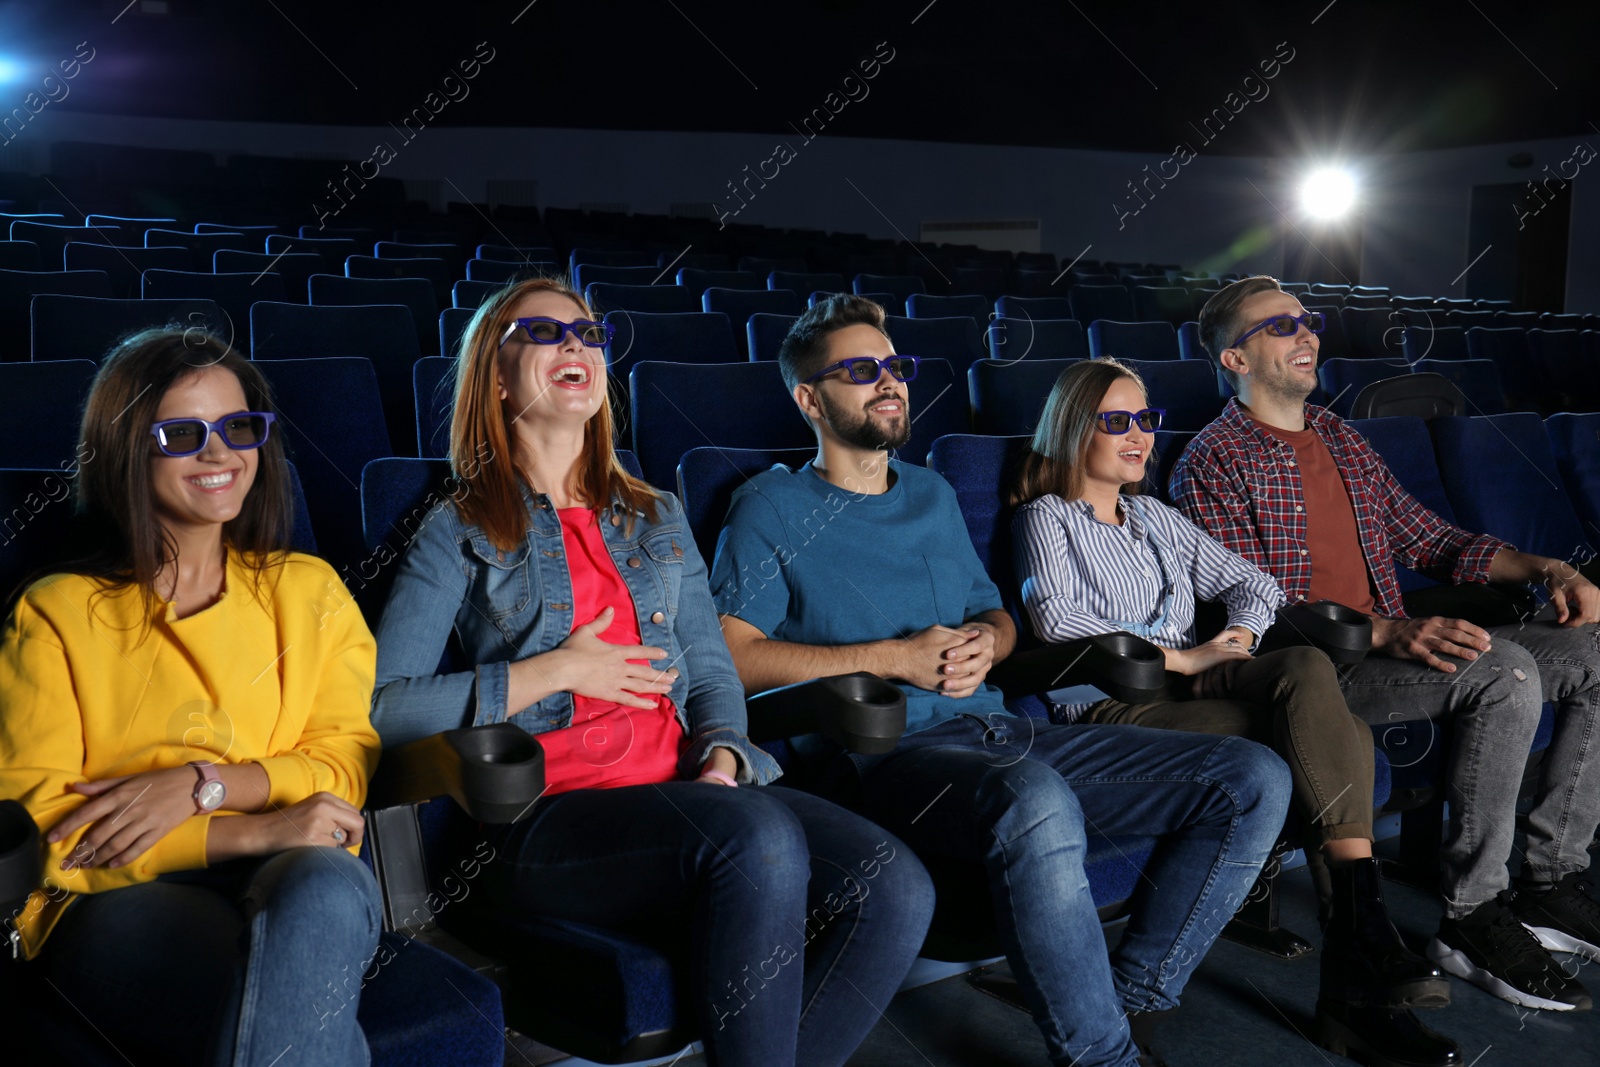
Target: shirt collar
{"type": "Point", "coordinates": [1130, 516]}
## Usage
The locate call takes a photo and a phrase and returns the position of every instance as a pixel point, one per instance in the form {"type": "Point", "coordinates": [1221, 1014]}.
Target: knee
{"type": "Point", "coordinates": [1304, 666]}
{"type": "Point", "coordinates": [325, 886]}
{"type": "Point", "coordinates": [1508, 674]}
{"type": "Point", "coordinates": [1026, 798]}
{"type": "Point", "coordinates": [748, 827]}
{"type": "Point", "coordinates": [1254, 775]}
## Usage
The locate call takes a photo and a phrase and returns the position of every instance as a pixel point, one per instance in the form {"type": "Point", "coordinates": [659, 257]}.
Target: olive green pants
{"type": "Point", "coordinates": [1290, 701]}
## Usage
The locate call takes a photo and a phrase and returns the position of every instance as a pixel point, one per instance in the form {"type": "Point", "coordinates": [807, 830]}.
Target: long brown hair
{"type": "Point", "coordinates": [1055, 460]}
{"type": "Point", "coordinates": [119, 539]}
{"type": "Point", "coordinates": [480, 442]}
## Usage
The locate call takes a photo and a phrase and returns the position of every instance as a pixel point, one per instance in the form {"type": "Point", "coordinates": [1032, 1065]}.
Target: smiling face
{"type": "Point", "coordinates": [875, 416]}
{"type": "Point", "coordinates": [564, 381]}
{"type": "Point", "coordinates": [208, 488]}
{"type": "Point", "coordinates": [1113, 460]}
{"type": "Point", "coordinates": [1276, 368]}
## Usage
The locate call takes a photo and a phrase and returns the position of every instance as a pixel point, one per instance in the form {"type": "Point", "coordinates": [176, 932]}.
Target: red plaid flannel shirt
{"type": "Point", "coordinates": [1241, 485]}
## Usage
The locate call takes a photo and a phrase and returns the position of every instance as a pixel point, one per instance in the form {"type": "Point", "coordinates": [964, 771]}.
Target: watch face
{"type": "Point", "coordinates": [210, 795]}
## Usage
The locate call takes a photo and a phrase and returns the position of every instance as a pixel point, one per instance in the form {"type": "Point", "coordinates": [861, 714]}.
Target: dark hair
{"type": "Point", "coordinates": [1219, 319]}
{"type": "Point", "coordinates": [805, 347]}
{"type": "Point", "coordinates": [118, 538]}
{"type": "Point", "coordinates": [1054, 461]}
{"type": "Point", "coordinates": [480, 442]}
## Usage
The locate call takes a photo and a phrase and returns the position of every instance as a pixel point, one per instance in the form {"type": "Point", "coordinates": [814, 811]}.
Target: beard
{"type": "Point", "coordinates": [863, 430]}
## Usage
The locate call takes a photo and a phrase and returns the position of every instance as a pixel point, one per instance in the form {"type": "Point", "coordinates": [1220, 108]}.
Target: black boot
{"type": "Point", "coordinates": [1364, 961]}
{"type": "Point", "coordinates": [1382, 1037]}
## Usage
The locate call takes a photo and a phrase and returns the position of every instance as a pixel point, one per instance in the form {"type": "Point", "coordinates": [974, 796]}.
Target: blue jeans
{"type": "Point", "coordinates": [231, 965]}
{"type": "Point", "coordinates": [798, 918]}
{"type": "Point", "coordinates": [1020, 795]}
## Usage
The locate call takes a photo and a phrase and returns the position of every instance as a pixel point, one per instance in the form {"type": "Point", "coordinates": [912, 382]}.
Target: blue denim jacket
{"type": "Point", "coordinates": [507, 606]}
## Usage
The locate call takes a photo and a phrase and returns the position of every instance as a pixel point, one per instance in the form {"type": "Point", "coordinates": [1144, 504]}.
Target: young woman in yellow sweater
{"type": "Point", "coordinates": [184, 711]}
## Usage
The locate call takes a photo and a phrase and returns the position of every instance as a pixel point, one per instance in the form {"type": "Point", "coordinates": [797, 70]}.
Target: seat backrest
{"type": "Point", "coordinates": [202, 246]}
{"type": "Point", "coordinates": [41, 408]}
{"type": "Point", "coordinates": [1033, 307]}
{"type": "Point", "coordinates": [1434, 342]}
{"type": "Point", "coordinates": [333, 422]}
{"type": "Point", "coordinates": [433, 380]}
{"type": "Point", "coordinates": [51, 238]}
{"type": "Point", "coordinates": [987, 282]}
{"type": "Point", "coordinates": [901, 285]}
{"type": "Point", "coordinates": [670, 416]}
{"type": "Point", "coordinates": [382, 334]}
{"type": "Point", "coordinates": [1407, 450]}
{"type": "Point", "coordinates": [19, 255]}
{"type": "Point", "coordinates": [1011, 340]}
{"type": "Point", "coordinates": [416, 294]}
{"type": "Point", "coordinates": [608, 257]}
{"type": "Point", "coordinates": [1133, 340]}
{"type": "Point", "coordinates": [85, 327]}
{"type": "Point", "coordinates": [122, 265]}
{"type": "Point", "coordinates": [35, 519]}
{"type": "Point", "coordinates": [807, 282]}
{"type": "Point", "coordinates": [1573, 376]}
{"type": "Point", "coordinates": [449, 252]}
{"type": "Point", "coordinates": [1341, 380]}
{"type": "Point", "coordinates": [1426, 395]}
{"type": "Point", "coordinates": [333, 250]}
{"type": "Point", "coordinates": [1166, 303]}
{"type": "Point", "coordinates": [979, 469]}
{"type": "Point", "coordinates": [650, 299]}
{"type": "Point", "coordinates": [1008, 395]}
{"type": "Point", "coordinates": [697, 280]}
{"type": "Point", "coordinates": [530, 253]}
{"type": "Point", "coordinates": [453, 323]}
{"type": "Point", "coordinates": [1169, 445]}
{"type": "Point", "coordinates": [764, 334]}
{"type": "Point", "coordinates": [439, 274]}
{"type": "Point", "coordinates": [1478, 380]}
{"type": "Point", "coordinates": [707, 478]}
{"type": "Point", "coordinates": [295, 268]}
{"type": "Point", "coordinates": [923, 306]}
{"type": "Point", "coordinates": [17, 290]}
{"type": "Point", "coordinates": [586, 274]}
{"type": "Point", "coordinates": [502, 271]}
{"type": "Point", "coordinates": [1575, 443]}
{"type": "Point", "coordinates": [1185, 388]}
{"type": "Point", "coordinates": [1373, 333]}
{"type": "Point", "coordinates": [471, 295]}
{"type": "Point", "coordinates": [686, 337]}
{"type": "Point", "coordinates": [1090, 302]}
{"type": "Point", "coordinates": [1502, 479]}
{"type": "Point", "coordinates": [956, 340]}
{"type": "Point", "coordinates": [1521, 379]}
{"type": "Point", "coordinates": [233, 293]}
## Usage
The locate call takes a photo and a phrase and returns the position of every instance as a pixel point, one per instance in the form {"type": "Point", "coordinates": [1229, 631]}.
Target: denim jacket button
{"type": "Point", "coordinates": [658, 618]}
{"type": "Point", "coordinates": [677, 549]}
{"type": "Point", "coordinates": [616, 520]}
{"type": "Point", "coordinates": [633, 561]}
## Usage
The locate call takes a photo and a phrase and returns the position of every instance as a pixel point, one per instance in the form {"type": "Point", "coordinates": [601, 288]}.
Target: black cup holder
{"type": "Point", "coordinates": [21, 862]}
{"type": "Point", "coordinates": [861, 712]}
{"type": "Point", "coordinates": [494, 773]}
{"type": "Point", "coordinates": [1120, 664]}
{"type": "Point", "coordinates": [1342, 632]}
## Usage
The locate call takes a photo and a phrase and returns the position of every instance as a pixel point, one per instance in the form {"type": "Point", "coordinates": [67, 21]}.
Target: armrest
{"type": "Point", "coordinates": [494, 773]}
{"type": "Point", "coordinates": [21, 861]}
{"type": "Point", "coordinates": [1119, 664]}
{"type": "Point", "coordinates": [1482, 605]}
{"type": "Point", "coordinates": [860, 711]}
{"type": "Point", "coordinates": [1345, 634]}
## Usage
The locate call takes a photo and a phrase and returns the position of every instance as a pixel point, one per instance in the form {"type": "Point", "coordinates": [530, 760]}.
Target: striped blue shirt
{"type": "Point", "coordinates": [1082, 577]}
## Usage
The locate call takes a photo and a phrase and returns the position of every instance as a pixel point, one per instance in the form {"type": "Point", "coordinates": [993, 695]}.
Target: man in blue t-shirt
{"type": "Point", "coordinates": [857, 562]}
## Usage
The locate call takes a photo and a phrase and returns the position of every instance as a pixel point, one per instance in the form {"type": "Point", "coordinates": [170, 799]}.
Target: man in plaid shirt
{"type": "Point", "coordinates": [1292, 488]}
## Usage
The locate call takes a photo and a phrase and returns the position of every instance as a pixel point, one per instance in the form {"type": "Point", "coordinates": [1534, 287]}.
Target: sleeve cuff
{"type": "Point", "coordinates": [493, 685]}
{"type": "Point", "coordinates": [1472, 565]}
{"type": "Point", "coordinates": [288, 780]}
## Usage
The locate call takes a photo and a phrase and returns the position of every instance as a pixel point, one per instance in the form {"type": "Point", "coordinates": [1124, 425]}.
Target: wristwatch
{"type": "Point", "coordinates": [209, 792]}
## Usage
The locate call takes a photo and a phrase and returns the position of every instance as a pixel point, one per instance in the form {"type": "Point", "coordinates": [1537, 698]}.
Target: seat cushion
{"type": "Point", "coordinates": [412, 1018]}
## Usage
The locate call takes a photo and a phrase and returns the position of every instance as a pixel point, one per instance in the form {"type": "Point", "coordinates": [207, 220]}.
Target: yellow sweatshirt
{"type": "Point", "coordinates": [280, 676]}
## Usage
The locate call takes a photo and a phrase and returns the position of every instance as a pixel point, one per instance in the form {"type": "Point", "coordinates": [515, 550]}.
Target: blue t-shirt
{"type": "Point", "coordinates": [806, 561]}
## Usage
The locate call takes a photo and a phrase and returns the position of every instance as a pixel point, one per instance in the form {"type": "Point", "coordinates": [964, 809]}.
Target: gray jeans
{"type": "Point", "coordinates": [1493, 705]}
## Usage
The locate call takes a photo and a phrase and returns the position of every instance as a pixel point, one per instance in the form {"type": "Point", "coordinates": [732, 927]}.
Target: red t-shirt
{"type": "Point", "coordinates": [608, 744]}
{"type": "Point", "coordinates": [1338, 566]}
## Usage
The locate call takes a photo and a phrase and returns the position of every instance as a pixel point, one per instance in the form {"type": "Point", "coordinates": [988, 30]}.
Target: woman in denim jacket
{"type": "Point", "coordinates": [581, 603]}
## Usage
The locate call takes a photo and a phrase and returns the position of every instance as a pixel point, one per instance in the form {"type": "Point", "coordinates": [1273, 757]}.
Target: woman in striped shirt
{"type": "Point", "coordinates": [1094, 556]}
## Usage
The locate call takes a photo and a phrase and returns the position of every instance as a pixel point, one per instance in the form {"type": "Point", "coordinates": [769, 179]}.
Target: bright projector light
{"type": "Point", "coordinates": [10, 70]}
{"type": "Point", "coordinates": [1328, 193]}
